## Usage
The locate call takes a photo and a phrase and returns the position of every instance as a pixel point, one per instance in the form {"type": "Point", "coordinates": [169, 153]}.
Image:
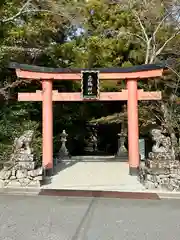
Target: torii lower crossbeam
{"type": "Point", "coordinates": [76, 96]}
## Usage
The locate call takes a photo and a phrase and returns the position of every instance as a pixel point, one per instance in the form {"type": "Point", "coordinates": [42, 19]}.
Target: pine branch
{"type": "Point", "coordinates": [10, 19]}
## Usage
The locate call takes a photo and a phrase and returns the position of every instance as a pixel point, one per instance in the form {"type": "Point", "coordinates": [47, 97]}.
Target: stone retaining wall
{"type": "Point", "coordinates": [162, 174]}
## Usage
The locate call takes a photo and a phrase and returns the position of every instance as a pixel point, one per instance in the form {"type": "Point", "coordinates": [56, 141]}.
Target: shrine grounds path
{"type": "Point", "coordinates": [63, 218]}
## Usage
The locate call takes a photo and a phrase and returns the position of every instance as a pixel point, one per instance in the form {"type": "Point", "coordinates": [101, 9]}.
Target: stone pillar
{"type": "Point", "coordinates": [133, 128]}
{"type": "Point", "coordinates": [47, 124]}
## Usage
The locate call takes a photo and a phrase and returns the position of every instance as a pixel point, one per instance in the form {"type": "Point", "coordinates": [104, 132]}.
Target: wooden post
{"type": "Point", "coordinates": [47, 125]}
{"type": "Point", "coordinates": [133, 129]}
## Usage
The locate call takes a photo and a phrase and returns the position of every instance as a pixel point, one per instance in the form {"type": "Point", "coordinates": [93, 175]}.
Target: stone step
{"type": "Point", "coordinates": [97, 158]}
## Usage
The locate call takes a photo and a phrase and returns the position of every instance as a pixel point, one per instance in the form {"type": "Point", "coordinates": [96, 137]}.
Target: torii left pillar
{"type": "Point", "coordinates": [133, 127]}
{"type": "Point", "coordinates": [47, 127]}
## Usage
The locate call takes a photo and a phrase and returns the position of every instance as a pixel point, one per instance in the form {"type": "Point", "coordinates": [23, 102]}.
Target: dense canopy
{"type": "Point", "coordinates": [86, 34]}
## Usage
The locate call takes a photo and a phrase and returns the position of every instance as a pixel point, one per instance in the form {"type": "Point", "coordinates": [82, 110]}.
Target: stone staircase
{"type": "Point", "coordinates": [92, 158]}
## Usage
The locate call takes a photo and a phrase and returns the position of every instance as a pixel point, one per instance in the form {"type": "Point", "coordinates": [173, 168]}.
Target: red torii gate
{"type": "Point", "coordinates": [132, 94]}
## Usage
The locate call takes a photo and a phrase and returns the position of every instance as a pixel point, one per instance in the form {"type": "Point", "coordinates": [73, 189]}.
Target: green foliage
{"type": "Point", "coordinates": [14, 120]}
{"type": "Point", "coordinates": [111, 36]}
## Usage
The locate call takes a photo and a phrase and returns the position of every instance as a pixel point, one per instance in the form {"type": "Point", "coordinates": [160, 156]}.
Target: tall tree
{"type": "Point", "coordinates": [152, 30]}
{"type": "Point", "coordinates": [29, 31]}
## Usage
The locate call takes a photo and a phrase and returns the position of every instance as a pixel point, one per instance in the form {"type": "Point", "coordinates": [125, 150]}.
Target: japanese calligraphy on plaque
{"type": "Point", "coordinates": [90, 84]}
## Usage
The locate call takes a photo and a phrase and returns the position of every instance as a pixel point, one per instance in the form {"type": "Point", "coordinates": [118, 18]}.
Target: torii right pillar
{"type": "Point", "coordinates": [133, 127]}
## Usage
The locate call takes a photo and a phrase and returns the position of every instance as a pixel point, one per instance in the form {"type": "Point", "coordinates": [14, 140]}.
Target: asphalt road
{"type": "Point", "coordinates": [54, 218]}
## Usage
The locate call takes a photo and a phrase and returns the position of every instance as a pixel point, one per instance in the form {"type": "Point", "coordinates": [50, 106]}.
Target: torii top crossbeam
{"type": "Point", "coordinates": [135, 72]}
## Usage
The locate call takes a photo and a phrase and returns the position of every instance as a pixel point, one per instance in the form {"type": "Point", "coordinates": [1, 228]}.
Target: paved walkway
{"type": "Point", "coordinates": [94, 175]}
{"type": "Point", "coordinates": [54, 218]}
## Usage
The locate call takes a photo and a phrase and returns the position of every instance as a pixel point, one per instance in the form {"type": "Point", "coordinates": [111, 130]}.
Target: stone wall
{"type": "Point", "coordinates": [16, 177]}
{"type": "Point", "coordinates": [162, 174]}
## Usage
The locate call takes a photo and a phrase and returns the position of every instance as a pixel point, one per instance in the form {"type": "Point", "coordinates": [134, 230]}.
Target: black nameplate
{"type": "Point", "coordinates": [90, 84]}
